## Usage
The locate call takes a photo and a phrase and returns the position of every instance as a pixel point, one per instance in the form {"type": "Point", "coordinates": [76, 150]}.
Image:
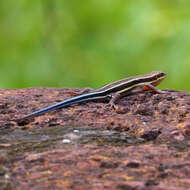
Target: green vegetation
{"type": "Point", "coordinates": [69, 43]}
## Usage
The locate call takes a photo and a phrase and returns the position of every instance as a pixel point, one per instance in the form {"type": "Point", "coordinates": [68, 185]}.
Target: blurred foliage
{"type": "Point", "coordinates": [69, 43]}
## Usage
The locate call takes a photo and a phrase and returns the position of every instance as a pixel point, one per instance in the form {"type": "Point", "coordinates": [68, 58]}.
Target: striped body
{"type": "Point", "coordinates": [111, 91]}
{"type": "Point", "coordinates": [125, 85]}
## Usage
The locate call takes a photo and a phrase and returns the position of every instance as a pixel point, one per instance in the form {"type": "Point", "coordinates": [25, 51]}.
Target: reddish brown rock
{"type": "Point", "coordinates": [143, 145]}
{"type": "Point", "coordinates": [161, 117]}
{"type": "Point", "coordinates": [142, 167]}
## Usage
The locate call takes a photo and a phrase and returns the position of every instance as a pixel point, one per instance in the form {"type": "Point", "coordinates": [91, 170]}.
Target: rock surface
{"type": "Point", "coordinates": [143, 145]}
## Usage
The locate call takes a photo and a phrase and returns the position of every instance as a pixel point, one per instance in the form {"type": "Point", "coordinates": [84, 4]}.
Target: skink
{"type": "Point", "coordinates": [113, 91]}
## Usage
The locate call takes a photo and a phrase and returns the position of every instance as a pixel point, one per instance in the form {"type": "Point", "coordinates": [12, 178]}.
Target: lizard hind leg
{"type": "Point", "coordinates": [86, 90]}
{"type": "Point", "coordinates": [115, 98]}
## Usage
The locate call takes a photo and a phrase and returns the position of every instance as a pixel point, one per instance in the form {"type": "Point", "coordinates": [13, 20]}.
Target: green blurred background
{"type": "Point", "coordinates": [70, 43]}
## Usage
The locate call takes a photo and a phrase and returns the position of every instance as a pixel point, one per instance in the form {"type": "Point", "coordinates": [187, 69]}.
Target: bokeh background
{"type": "Point", "coordinates": [69, 43]}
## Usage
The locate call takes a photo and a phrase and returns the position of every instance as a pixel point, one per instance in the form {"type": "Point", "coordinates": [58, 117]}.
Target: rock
{"type": "Point", "coordinates": [142, 145]}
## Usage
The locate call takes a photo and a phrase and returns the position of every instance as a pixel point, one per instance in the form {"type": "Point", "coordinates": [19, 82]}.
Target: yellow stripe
{"type": "Point", "coordinates": [140, 77]}
{"type": "Point", "coordinates": [136, 85]}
